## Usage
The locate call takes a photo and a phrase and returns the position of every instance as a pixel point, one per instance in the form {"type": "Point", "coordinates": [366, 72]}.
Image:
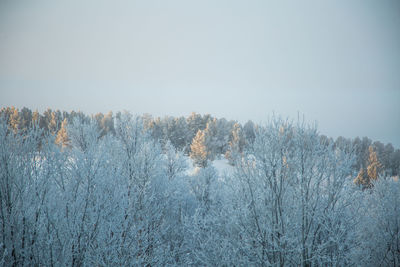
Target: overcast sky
{"type": "Point", "coordinates": [336, 62]}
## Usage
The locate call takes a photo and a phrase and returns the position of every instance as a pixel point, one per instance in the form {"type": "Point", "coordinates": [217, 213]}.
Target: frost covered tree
{"type": "Point", "coordinates": [144, 183]}
{"type": "Point", "coordinates": [290, 200]}
{"type": "Point", "coordinates": [224, 128]}
{"type": "Point", "coordinates": [105, 122]}
{"type": "Point", "coordinates": [177, 205]}
{"type": "Point", "coordinates": [217, 134]}
{"type": "Point", "coordinates": [24, 183]}
{"type": "Point", "coordinates": [379, 230]}
{"type": "Point", "coordinates": [179, 133]}
{"type": "Point", "coordinates": [322, 194]}
{"type": "Point", "coordinates": [261, 194]}
{"type": "Point", "coordinates": [208, 229]}
{"type": "Point", "coordinates": [175, 162]}
{"type": "Point", "coordinates": [211, 138]}
{"type": "Point", "coordinates": [121, 198]}
{"type": "Point", "coordinates": [196, 122]}
{"type": "Point", "coordinates": [102, 202]}
{"type": "Point", "coordinates": [249, 130]}
{"type": "Point", "coordinates": [81, 201]}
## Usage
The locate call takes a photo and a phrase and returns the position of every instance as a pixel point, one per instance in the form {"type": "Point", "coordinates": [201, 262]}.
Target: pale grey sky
{"type": "Point", "coordinates": [336, 62]}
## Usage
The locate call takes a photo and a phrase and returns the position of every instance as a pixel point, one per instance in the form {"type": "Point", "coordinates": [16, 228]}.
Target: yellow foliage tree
{"type": "Point", "coordinates": [15, 119]}
{"type": "Point", "coordinates": [374, 164]}
{"type": "Point", "coordinates": [62, 135]}
{"type": "Point", "coordinates": [198, 149]}
{"type": "Point", "coordinates": [366, 178]}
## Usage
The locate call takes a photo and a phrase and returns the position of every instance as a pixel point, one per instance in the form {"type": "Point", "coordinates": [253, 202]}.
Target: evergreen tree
{"type": "Point", "coordinates": [197, 122]}
{"type": "Point", "coordinates": [224, 128]}
{"type": "Point", "coordinates": [386, 159]}
{"type": "Point", "coordinates": [156, 130]}
{"type": "Point", "coordinates": [175, 162]}
{"type": "Point", "coordinates": [35, 117]}
{"type": "Point", "coordinates": [181, 135]}
{"type": "Point", "coordinates": [236, 145]}
{"type": "Point", "coordinates": [395, 159]}
{"type": "Point", "coordinates": [26, 118]}
{"type": "Point", "coordinates": [211, 135]}
{"type": "Point", "coordinates": [249, 131]}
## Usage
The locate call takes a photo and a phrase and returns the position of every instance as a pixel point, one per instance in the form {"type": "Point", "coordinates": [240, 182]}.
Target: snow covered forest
{"type": "Point", "coordinates": [124, 190]}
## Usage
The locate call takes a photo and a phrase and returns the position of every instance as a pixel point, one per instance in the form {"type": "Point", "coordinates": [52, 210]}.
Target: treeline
{"type": "Point", "coordinates": [203, 137]}
{"type": "Point", "coordinates": [88, 194]}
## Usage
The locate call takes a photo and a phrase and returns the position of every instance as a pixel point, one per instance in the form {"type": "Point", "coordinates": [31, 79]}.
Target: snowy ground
{"type": "Point", "coordinates": [221, 165]}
